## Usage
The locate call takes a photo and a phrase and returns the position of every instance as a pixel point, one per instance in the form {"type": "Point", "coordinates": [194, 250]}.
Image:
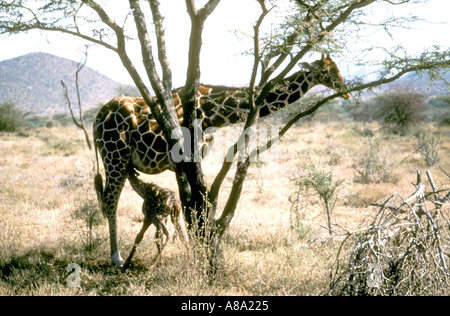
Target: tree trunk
{"type": "Point", "coordinates": [191, 180]}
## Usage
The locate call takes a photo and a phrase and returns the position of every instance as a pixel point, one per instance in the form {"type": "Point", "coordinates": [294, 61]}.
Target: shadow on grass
{"type": "Point", "coordinates": [26, 274]}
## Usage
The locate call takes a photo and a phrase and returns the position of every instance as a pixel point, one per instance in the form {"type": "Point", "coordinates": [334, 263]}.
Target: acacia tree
{"type": "Point", "coordinates": [306, 27]}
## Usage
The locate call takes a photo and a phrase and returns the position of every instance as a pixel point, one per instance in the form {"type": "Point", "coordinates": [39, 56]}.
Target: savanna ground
{"type": "Point", "coordinates": [46, 196]}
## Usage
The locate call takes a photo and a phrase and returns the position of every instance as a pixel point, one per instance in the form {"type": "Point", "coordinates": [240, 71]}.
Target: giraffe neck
{"type": "Point", "coordinates": [287, 92]}
{"type": "Point", "coordinates": [141, 188]}
{"type": "Point", "coordinates": [222, 106]}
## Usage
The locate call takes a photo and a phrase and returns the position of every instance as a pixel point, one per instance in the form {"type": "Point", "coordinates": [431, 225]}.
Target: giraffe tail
{"type": "Point", "coordinates": [98, 183]}
{"type": "Point", "coordinates": [98, 180]}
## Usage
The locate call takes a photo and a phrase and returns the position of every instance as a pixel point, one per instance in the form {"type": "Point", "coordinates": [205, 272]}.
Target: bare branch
{"type": "Point", "coordinates": [215, 187]}
{"type": "Point", "coordinates": [289, 44]}
{"type": "Point", "coordinates": [147, 54]}
{"type": "Point", "coordinates": [402, 251]}
{"type": "Point", "coordinates": [257, 57]}
{"type": "Point", "coordinates": [204, 12]}
{"type": "Point", "coordinates": [161, 38]}
{"type": "Point", "coordinates": [103, 15]}
{"type": "Point", "coordinates": [43, 27]}
{"type": "Point", "coordinates": [164, 111]}
{"type": "Point", "coordinates": [198, 18]}
{"type": "Point", "coordinates": [69, 104]}
{"type": "Point", "coordinates": [191, 8]}
{"type": "Point", "coordinates": [79, 68]}
{"type": "Point", "coordinates": [242, 168]}
{"type": "Point", "coordinates": [121, 51]}
{"type": "Point", "coordinates": [80, 124]}
{"type": "Point", "coordinates": [208, 8]}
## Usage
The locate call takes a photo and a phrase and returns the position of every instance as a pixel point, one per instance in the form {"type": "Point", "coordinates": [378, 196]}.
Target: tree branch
{"type": "Point", "coordinates": [103, 15]}
{"type": "Point", "coordinates": [242, 168]}
{"type": "Point", "coordinates": [257, 57]}
{"type": "Point", "coordinates": [121, 51]}
{"type": "Point", "coordinates": [198, 18]}
{"type": "Point", "coordinates": [43, 27]}
{"type": "Point", "coordinates": [208, 8]}
{"type": "Point", "coordinates": [290, 41]}
{"type": "Point", "coordinates": [147, 54]}
{"type": "Point", "coordinates": [215, 187]}
{"type": "Point", "coordinates": [79, 68]}
{"type": "Point", "coordinates": [204, 12]}
{"type": "Point", "coordinates": [358, 4]}
{"type": "Point", "coordinates": [69, 104]}
{"type": "Point", "coordinates": [191, 8]}
{"type": "Point", "coordinates": [80, 124]}
{"type": "Point", "coordinates": [161, 38]}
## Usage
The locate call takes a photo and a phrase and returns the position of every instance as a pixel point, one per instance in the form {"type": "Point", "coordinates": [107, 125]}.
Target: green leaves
{"type": "Point", "coordinates": [316, 180]}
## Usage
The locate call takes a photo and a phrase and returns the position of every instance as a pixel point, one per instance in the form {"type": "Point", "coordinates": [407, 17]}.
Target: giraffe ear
{"type": "Point", "coordinates": [306, 66]}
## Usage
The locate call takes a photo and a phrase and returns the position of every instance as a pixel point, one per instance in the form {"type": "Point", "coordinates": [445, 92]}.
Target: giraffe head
{"type": "Point", "coordinates": [326, 73]}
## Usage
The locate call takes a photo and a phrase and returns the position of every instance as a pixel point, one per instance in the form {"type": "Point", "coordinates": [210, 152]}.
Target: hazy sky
{"type": "Point", "coordinates": [222, 59]}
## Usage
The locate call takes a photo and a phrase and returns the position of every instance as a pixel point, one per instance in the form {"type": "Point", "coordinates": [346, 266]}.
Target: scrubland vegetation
{"type": "Point", "coordinates": [282, 241]}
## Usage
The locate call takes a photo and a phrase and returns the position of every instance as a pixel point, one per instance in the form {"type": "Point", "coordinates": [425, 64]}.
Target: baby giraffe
{"type": "Point", "coordinates": [158, 204]}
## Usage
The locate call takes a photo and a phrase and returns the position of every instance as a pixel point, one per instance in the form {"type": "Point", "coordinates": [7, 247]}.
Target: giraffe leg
{"type": "Point", "coordinates": [139, 237]}
{"type": "Point", "coordinates": [158, 238]}
{"type": "Point", "coordinates": [161, 229]}
{"type": "Point", "coordinates": [180, 226]}
{"type": "Point", "coordinates": [111, 198]}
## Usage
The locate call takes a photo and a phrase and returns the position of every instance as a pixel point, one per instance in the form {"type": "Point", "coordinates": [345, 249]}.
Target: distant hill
{"type": "Point", "coordinates": [422, 85]}
{"type": "Point", "coordinates": [32, 82]}
{"type": "Point", "coordinates": [425, 86]}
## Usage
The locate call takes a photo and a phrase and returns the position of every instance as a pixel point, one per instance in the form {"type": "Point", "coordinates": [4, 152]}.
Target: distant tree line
{"type": "Point", "coordinates": [12, 119]}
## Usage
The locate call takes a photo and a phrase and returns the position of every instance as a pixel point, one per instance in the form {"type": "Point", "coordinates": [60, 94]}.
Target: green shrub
{"type": "Point", "coordinates": [440, 102]}
{"type": "Point", "coordinates": [316, 181]}
{"type": "Point", "coordinates": [12, 119]}
{"type": "Point", "coordinates": [400, 109]}
{"type": "Point", "coordinates": [445, 120]}
{"type": "Point", "coordinates": [88, 213]}
{"type": "Point", "coordinates": [364, 111]}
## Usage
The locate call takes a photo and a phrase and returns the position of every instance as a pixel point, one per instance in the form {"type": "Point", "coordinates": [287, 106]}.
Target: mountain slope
{"type": "Point", "coordinates": [33, 83]}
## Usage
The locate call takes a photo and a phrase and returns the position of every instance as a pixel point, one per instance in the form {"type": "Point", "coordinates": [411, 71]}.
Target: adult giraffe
{"type": "Point", "coordinates": [125, 132]}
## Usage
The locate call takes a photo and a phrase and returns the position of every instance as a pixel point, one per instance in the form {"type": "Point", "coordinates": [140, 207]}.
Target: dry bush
{"type": "Point", "coordinates": [403, 249]}
{"type": "Point", "coordinates": [87, 216]}
{"type": "Point", "coordinates": [373, 166]}
{"type": "Point", "coordinates": [428, 144]}
{"type": "Point", "coordinates": [363, 197]}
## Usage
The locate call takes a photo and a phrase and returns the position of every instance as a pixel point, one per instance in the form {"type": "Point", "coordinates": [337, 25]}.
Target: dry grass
{"type": "Point", "coordinates": [47, 174]}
